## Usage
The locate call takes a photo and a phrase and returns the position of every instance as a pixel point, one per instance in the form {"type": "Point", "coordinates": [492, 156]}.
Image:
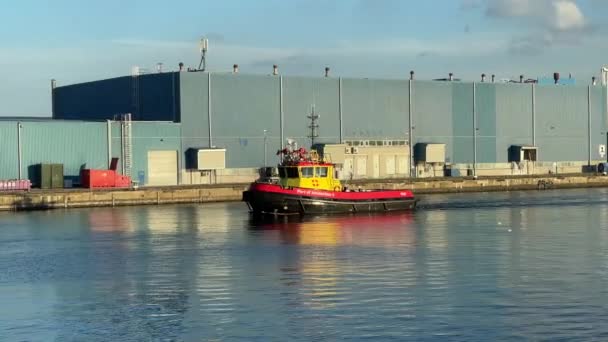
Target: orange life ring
{"type": "Point", "coordinates": [337, 188]}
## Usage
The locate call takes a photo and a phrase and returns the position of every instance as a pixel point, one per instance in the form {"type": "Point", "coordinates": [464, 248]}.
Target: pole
{"type": "Point", "coordinates": [281, 113]}
{"type": "Point", "coordinates": [340, 109]}
{"type": "Point", "coordinates": [265, 148]}
{"type": "Point", "coordinates": [53, 109]}
{"type": "Point", "coordinates": [209, 108]}
{"type": "Point", "coordinates": [589, 123]}
{"type": "Point", "coordinates": [605, 74]}
{"type": "Point", "coordinates": [411, 132]}
{"type": "Point", "coordinates": [474, 129]}
{"type": "Point", "coordinates": [109, 132]}
{"type": "Point", "coordinates": [533, 114]}
{"type": "Point", "coordinates": [19, 151]}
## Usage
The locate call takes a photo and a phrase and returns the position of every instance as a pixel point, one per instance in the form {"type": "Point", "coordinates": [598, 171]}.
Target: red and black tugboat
{"type": "Point", "coordinates": [307, 185]}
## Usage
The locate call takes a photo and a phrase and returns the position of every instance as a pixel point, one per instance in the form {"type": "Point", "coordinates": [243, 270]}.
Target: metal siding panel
{"type": "Point", "coordinates": [462, 122]}
{"type": "Point", "coordinates": [561, 123]}
{"type": "Point", "coordinates": [485, 101]}
{"type": "Point", "coordinates": [8, 141]}
{"type": "Point", "coordinates": [432, 114]}
{"type": "Point", "coordinates": [598, 121]}
{"type": "Point", "coordinates": [99, 100]}
{"type": "Point", "coordinates": [74, 144]}
{"type": "Point", "coordinates": [148, 136]}
{"type": "Point", "coordinates": [193, 90]}
{"type": "Point", "coordinates": [158, 94]}
{"type": "Point", "coordinates": [299, 95]}
{"type": "Point", "coordinates": [242, 107]}
{"type": "Point", "coordinates": [150, 97]}
{"type": "Point", "coordinates": [513, 118]}
{"type": "Point", "coordinates": [375, 109]}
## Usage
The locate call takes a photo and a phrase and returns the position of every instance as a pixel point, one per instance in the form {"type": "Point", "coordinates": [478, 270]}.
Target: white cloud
{"type": "Point", "coordinates": [563, 15]}
{"type": "Point", "coordinates": [567, 16]}
{"type": "Point", "coordinates": [540, 24]}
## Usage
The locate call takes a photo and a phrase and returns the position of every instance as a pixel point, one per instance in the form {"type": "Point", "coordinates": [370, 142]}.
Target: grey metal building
{"type": "Point", "coordinates": [479, 123]}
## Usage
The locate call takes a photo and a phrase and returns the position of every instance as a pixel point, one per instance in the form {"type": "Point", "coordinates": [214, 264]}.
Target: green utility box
{"type": "Point", "coordinates": [49, 176]}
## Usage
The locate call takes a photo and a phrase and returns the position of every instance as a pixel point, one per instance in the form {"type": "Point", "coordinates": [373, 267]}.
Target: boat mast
{"type": "Point", "coordinates": [314, 126]}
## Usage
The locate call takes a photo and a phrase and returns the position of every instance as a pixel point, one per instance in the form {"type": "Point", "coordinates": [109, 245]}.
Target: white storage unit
{"type": "Point", "coordinates": [206, 159]}
{"type": "Point", "coordinates": [162, 168]}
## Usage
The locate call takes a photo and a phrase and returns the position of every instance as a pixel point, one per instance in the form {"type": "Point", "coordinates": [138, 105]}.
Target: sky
{"type": "Point", "coordinates": [76, 41]}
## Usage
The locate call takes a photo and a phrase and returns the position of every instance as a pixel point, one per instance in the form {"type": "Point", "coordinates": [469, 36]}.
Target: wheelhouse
{"type": "Point", "coordinates": [309, 175]}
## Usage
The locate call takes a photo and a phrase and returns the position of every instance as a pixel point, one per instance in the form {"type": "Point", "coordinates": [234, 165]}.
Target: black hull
{"type": "Point", "coordinates": [281, 204]}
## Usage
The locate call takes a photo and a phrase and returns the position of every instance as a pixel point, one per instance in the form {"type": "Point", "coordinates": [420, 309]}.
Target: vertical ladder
{"type": "Point", "coordinates": [127, 147]}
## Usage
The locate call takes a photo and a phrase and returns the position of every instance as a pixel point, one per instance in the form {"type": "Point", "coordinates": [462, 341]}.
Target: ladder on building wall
{"type": "Point", "coordinates": [127, 147]}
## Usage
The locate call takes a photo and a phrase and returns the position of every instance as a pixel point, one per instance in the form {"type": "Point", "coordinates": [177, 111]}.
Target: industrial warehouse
{"type": "Point", "coordinates": [193, 127]}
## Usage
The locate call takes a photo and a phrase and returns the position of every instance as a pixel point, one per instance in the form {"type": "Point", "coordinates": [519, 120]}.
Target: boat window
{"type": "Point", "coordinates": [292, 172]}
{"type": "Point", "coordinates": [307, 172]}
{"type": "Point", "coordinates": [282, 172]}
{"type": "Point", "coordinates": [321, 171]}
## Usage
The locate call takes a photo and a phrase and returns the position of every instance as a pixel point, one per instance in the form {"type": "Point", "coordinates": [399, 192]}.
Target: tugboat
{"type": "Point", "coordinates": [307, 184]}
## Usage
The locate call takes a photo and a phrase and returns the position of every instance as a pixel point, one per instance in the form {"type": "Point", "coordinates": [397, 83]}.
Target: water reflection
{"type": "Point", "coordinates": [203, 272]}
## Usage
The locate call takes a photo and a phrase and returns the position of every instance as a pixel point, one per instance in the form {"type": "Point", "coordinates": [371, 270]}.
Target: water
{"type": "Point", "coordinates": [474, 267]}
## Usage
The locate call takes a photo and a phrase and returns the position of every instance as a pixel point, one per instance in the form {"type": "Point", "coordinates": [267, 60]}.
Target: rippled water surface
{"type": "Point", "coordinates": [475, 267]}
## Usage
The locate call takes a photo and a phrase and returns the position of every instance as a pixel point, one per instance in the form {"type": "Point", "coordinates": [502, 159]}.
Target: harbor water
{"type": "Point", "coordinates": [464, 267]}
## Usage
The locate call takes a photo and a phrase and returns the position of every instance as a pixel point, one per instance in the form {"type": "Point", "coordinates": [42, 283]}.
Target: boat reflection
{"type": "Point", "coordinates": [365, 230]}
{"type": "Point", "coordinates": [316, 266]}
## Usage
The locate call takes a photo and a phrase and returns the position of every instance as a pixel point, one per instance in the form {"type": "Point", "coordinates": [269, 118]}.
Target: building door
{"type": "Point", "coordinates": [361, 166]}
{"type": "Point", "coordinates": [162, 168]}
{"type": "Point", "coordinates": [402, 165]}
{"type": "Point", "coordinates": [390, 165]}
{"type": "Point", "coordinates": [348, 168]}
{"type": "Point", "coordinates": [376, 166]}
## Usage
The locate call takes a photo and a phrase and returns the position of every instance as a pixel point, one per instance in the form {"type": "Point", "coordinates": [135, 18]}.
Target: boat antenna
{"type": "Point", "coordinates": [314, 126]}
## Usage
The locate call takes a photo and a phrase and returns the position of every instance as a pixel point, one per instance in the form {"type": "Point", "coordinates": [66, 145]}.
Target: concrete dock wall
{"type": "Point", "coordinates": [170, 195]}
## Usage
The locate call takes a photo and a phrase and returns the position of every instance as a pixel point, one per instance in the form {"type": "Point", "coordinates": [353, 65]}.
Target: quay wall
{"type": "Point", "coordinates": [38, 199]}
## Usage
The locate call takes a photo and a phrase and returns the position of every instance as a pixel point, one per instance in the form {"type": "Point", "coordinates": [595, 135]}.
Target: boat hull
{"type": "Point", "coordinates": [319, 202]}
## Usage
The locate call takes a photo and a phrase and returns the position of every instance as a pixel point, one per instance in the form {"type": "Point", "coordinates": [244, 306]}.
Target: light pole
{"type": "Point", "coordinates": [203, 46]}
{"type": "Point", "coordinates": [265, 147]}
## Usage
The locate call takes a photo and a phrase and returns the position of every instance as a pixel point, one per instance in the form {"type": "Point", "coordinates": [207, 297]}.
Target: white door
{"type": "Point", "coordinates": [376, 166]}
{"type": "Point", "coordinates": [361, 166]}
{"type": "Point", "coordinates": [390, 165]}
{"type": "Point", "coordinates": [348, 171]}
{"type": "Point", "coordinates": [162, 168]}
{"type": "Point", "coordinates": [402, 165]}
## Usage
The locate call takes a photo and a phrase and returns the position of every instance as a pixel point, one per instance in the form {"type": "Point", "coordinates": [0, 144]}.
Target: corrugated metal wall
{"type": "Point", "coordinates": [300, 94]}
{"type": "Point", "coordinates": [561, 123]}
{"type": "Point", "coordinates": [79, 145]}
{"type": "Point", "coordinates": [74, 144]}
{"type": "Point", "coordinates": [374, 109]}
{"type": "Point", "coordinates": [9, 164]}
{"type": "Point", "coordinates": [151, 97]}
{"type": "Point", "coordinates": [146, 136]}
{"type": "Point", "coordinates": [513, 115]}
{"type": "Point", "coordinates": [242, 106]}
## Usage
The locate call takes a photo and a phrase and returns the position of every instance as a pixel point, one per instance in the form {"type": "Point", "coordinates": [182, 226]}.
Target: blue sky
{"type": "Point", "coordinates": [77, 41]}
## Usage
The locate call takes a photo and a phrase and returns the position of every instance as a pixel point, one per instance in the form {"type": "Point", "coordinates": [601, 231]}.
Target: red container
{"type": "Point", "coordinates": [97, 178]}
{"type": "Point", "coordinates": [103, 179]}
{"type": "Point", "coordinates": [122, 181]}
